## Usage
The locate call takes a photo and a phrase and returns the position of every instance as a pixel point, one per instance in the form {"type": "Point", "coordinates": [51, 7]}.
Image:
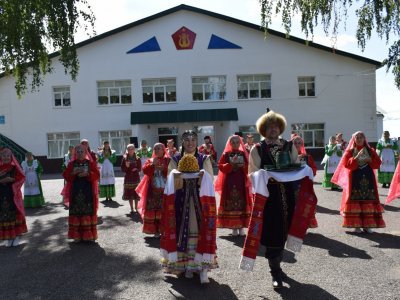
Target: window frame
{"type": "Point", "coordinates": [120, 136]}
{"type": "Point", "coordinates": [204, 86]}
{"type": "Point", "coordinates": [62, 142]}
{"type": "Point", "coordinates": [302, 128]}
{"type": "Point", "coordinates": [114, 87]}
{"type": "Point", "coordinates": [306, 80]}
{"type": "Point", "coordinates": [159, 85]}
{"type": "Point", "coordinates": [54, 93]}
{"type": "Point", "coordinates": [268, 81]}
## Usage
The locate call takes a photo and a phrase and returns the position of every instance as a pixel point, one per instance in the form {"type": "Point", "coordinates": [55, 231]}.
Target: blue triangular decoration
{"type": "Point", "coordinates": [148, 46]}
{"type": "Point", "coordinates": [219, 43]}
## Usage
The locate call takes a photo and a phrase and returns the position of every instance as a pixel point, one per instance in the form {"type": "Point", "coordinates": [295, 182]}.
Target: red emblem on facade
{"type": "Point", "coordinates": [184, 38]}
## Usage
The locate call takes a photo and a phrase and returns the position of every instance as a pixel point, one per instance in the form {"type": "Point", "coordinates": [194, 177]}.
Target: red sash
{"type": "Point", "coordinates": [304, 212]}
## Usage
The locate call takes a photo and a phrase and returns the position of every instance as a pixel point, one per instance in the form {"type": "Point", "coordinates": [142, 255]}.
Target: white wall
{"type": "Point", "coordinates": [345, 100]}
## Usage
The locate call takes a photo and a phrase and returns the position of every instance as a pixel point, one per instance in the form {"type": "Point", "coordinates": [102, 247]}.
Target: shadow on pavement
{"type": "Point", "coordinates": [298, 290]}
{"type": "Point", "coordinates": [49, 208]}
{"type": "Point", "coordinates": [237, 241]}
{"type": "Point", "coordinates": [391, 208]}
{"type": "Point", "coordinates": [51, 267]}
{"type": "Point", "coordinates": [335, 248]}
{"type": "Point", "coordinates": [328, 211]}
{"type": "Point", "coordinates": [183, 288]}
{"type": "Point", "coordinates": [110, 204]}
{"type": "Point", "coordinates": [384, 240]}
{"type": "Point", "coordinates": [153, 242]}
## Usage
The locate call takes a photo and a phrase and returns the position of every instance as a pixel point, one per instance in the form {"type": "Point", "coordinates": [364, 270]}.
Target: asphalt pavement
{"type": "Point", "coordinates": [124, 263]}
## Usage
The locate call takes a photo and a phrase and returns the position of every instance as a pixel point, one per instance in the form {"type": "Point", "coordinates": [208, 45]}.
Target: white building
{"type": "Point", "coordinates": [188, 68]}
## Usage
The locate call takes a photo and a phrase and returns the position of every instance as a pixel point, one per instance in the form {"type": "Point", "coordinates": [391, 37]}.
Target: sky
{"type": "Point", "coordinates": [113, 14]}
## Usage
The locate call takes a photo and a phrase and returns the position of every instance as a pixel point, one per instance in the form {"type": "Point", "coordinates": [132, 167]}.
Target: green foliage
{"type": "Point", "coordinates": [381, 16]}
{"type": "Point", "coordinates": [30, 28]}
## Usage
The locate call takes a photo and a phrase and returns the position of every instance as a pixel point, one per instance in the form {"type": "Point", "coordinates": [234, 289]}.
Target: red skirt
{"type": "Point", "coordinates": [10, 230]}
{"type": "Point", "coordinates": [82, 228]}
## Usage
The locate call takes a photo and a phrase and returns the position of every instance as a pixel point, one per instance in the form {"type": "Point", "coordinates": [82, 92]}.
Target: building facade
{"type": "Point", "coordinates": [187, 68]}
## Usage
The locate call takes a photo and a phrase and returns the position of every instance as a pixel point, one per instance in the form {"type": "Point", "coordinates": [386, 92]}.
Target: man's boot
{"type": "Point", "coordinates": [276, 272]}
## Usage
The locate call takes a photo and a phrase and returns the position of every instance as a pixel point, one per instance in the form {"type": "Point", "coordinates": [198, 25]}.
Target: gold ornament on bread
{"type": "Point", "coordinates": [188, 164]}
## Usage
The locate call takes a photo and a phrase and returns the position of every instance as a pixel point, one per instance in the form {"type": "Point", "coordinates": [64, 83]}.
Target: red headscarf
{"type": "Point", "coordinates": [164, 148]}
{"type": "Point", "coordinates": [68, 186]}
{"type": "Point", "coordinates": [19, 179]}
{"type": "Point", "coordinates": [342, 174]}
{"type": "Point", "coordinates": [228, 148]}
{"type": "Point", "coordinates": [295, 136]}
{"type": "Point", "coordinates": [143, 187]}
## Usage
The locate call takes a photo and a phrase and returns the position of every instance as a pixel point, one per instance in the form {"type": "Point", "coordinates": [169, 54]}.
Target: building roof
{"type": "Point", "coordinates": [181, 7]}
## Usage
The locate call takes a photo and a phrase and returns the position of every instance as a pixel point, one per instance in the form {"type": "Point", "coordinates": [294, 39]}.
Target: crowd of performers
{"type": "Point", "coordinates": [265, 187]}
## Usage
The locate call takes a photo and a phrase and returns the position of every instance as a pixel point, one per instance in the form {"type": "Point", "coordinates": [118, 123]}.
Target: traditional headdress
{"type": "Point", "coordinates": [269, 118]}
{"type": "Point", "coordinates": [189, 133]}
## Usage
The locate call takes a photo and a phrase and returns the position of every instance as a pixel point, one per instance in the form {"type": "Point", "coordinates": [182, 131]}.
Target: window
{"type": "Point", "coordinates": [306, 86]}
{"type": "Point", "coordinates": [61, 96]}
{"type": "Point", "coordinates": [159, 90]}
{"type": "Point", "coordinates": [114, 92]}
{"type": "Point", "coordinates": [168, 131]}
{"type": "Point", "coordinates": [312, 134]}
{"type": "Point", "coordinates": [253, 86]}
{"type": "Point", "coordinates": [247, 129]}
{"type": "Point", "coordinates": [209, 88]}
{"type": "Point", "coordinates": [58, 143]}
{"type": "Point", "coordinates": [2, 119]}
{"type": "Point", "coordinates": [118, 139]}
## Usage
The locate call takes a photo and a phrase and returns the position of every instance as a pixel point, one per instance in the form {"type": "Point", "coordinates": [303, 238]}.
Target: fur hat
{"type": "Point", "coordinates": [267, 119]}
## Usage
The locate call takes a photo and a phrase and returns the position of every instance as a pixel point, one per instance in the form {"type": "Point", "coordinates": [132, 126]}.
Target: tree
{"type": "Point", "coordinates": [30, 28]}
{"type": "Point", "coordinates": [381, 16]}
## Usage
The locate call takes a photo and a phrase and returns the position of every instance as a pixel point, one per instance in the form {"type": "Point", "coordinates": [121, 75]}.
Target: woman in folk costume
{"type": "Point", "coordinates": [12, 213]}
{"type": "Point", "coordinates": [333, 154]}
{"type": "Point", "coordinates": [208, 149]}
{"type": "Point", "coordinates": [234, 187]}
{"type": "Point", "coordinates": [144, 153]}
{"type": "Point", "coordinates": [188, 240]}
{"type": "Point", "coordinates": [33, 194]}
{"type": "Point", "coordinates": [171, 150]}
{"type": "Point", "coordinates": [387, 151]}
{"type": "Point", "coordinates": [151, 189]}
{"type": "Point", "coordinates": [82, 177]}
{"type": "Point", "coordinates": [131, 166]}
{"type": "Point", "coordinates": [360, 205]}
{"type": "Point", "coordinates": [394, 188]}
{"type": "Point", "coordinates": [107, 159]}
{"type": "Point", "coordinates": [307, 159]}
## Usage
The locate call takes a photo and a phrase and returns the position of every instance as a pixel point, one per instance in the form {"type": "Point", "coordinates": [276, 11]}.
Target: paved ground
{"type": "Point", "coordinates": [124, 264]}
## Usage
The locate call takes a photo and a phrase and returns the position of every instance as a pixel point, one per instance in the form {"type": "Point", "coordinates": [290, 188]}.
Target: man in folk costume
{"type": "Point", "coordinates": [151, 189]}
{"type": "Point", "coordinates": [208, 149]}
{"type": "Point", "coordinates": [387, 151]}
{"type": "Point", "coordinates": [188, 238]}
{"type": "Point", "coordinates": [249, 142]}
{"type": "Point", "coordinates": [234, 187]}
{"type": "Point", "coordinates": [276, 217]}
